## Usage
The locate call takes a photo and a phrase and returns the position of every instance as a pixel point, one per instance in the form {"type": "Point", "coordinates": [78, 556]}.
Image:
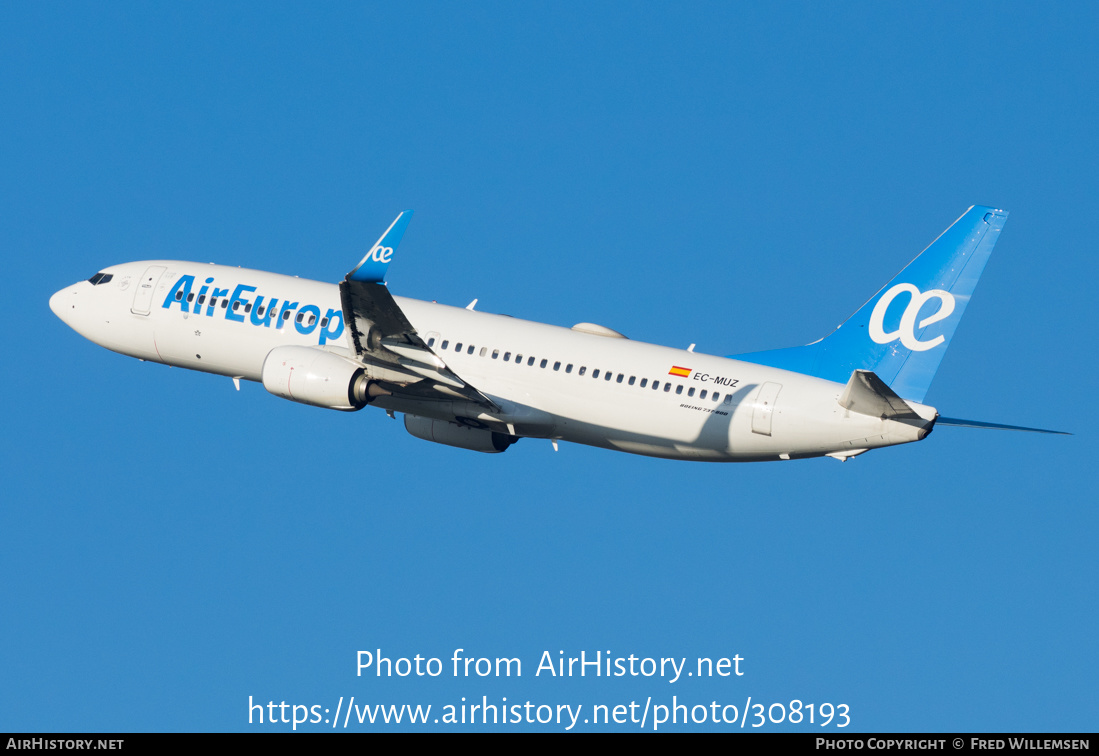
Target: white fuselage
{"type": "Point", "coordinates": [549, 381]}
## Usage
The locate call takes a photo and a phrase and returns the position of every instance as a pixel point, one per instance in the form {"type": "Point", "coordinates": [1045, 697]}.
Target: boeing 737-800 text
{"type": "Point", "coordinates": [481, 381]}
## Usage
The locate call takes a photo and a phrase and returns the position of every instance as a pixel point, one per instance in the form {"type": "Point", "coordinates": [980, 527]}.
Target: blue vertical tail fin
{"type": "Point", "coordinates": [902, 332]}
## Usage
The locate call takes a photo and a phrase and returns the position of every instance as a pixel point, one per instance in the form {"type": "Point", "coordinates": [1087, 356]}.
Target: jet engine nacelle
{"type": "Point", "coordinates": [318, 378]}
{"type": "Point", "coordinates": [462, 436]}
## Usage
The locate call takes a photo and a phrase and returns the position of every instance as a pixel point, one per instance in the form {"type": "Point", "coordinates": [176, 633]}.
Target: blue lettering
{"type": "Point", "coordinates": [265, 318]}
{"type": "Point", "coordinates": [218, 293]}
{"type": "Point", "coordinates": [334, 328]}
{"type": "Point", "coordinates": [310, 315]}
{"type": "Point", "coordinates": [231, 313]}
{"type": "Point", "coordinates": [201, 295]}
{"type": "Point", "coordinates": [182, 285]}
{"type": "Point", "coordinates": [286, 307]}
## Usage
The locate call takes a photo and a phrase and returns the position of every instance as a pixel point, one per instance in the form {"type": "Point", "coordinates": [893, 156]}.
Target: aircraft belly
{"type": "Point", "coordinates": [644, 427]}
{"type": "Point", "coordinates": [807, 420]}
{"type": "Point", "coordinates": [127, 334]}
{"type": "Point", "coordinates": [112, 326]}
{"type": "Point", "coordinates": [197, 342]}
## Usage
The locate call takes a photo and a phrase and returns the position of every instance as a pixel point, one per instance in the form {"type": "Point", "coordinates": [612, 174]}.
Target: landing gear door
{"type": "Point", "coordinates": [765, 408]}
{"type": "Point", "coordinates": [143, 297]}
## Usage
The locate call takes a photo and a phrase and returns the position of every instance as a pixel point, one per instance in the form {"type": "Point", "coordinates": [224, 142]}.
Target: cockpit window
{"type": "Point", "coordinates": [100, 278]}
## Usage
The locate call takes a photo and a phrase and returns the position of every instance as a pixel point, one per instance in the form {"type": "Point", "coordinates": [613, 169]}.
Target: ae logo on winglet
{"type": "Point", "coordinates": [906, 332]}
{"type": "Point", "coordinates": [380, 254]}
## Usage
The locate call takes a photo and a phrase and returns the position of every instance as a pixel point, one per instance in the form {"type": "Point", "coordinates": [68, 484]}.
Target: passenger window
{"type": "Point", "coordinates": [179, 295]}
{"type": "Point", "coordinates": [608, 375]}
{"type": "Point", "coordinates": [595, 373]}
{"type": "Point", "coordinates": [518, 359]}
{"type": "Point", "coordinates": [691, 391]}
{"type": "Point", "coordinates": [260, 311]}
{"type": "Point", "coordinates": [679, 389]}
{"type": "Point", "coordinates": [582, 370]}
{"type": "Point", "coordinates": [568, 368]}
{"type": "Point", "coordinates": [728, 398]}
{"type": "Point", "coordinates": [191, 297]}
{"type": "Point", "coordinates": [620, 377]}
{"type": "Point", "coordinates": [557, 366]}
{"type": "Point", "coordinates": [430, 342]}
{"type": "Point", "coordinates": [530, 361]}
{"type": "Point", "coordinates": [507, 356]}
{"type": "Point", "coordinates": [286, 314]}
{"type": "Point", "coordinates": [667, 387]}
{"type": "Point", "coordinates": [470, 349]}
{"type": "Point", "coordinates": [543, 363]}
{"type": "Point", "coordinates": [632, 379]}
{"type": "Point", "coordinates": [484, 351]}
{"type": "Point", "coordinates": [495, 353]}
{"type": "Point", "coordinates": [445, 344]}
{"type": "Point", "coordinates": [702, 394]}
{"type": "Point", "coordinates": [202, 300]}
{"type": "Point", "coordinates": [458, 347]}
{"type": "Point", "coordinates": [313, 319]}
{"type": "Point", "coordinates": [224, 303]}
{"type": "Point", "coordinates": [248, 307]}
{"type": "Point", "coordinates": [644, 381]}
{"type": "Point", "coordinates": [656, 385]}
{"type": "Point", "coordinates": [236, 305]}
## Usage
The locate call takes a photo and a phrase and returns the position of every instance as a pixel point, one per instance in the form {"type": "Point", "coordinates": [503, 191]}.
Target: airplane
{"type": "Point", "coordinates": [481, 381]}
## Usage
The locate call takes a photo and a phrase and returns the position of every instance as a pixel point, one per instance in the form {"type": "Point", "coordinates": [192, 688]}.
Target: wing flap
{"type": "Point", "coordinates": [379, 333]}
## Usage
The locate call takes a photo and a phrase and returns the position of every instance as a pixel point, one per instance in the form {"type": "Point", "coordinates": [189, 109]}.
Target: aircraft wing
{"type": "Point", "coordinates": [380, 335]}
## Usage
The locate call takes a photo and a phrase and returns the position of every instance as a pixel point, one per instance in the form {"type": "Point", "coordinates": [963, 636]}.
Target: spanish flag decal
{"type": "Point", "coordinates": [682, 372]}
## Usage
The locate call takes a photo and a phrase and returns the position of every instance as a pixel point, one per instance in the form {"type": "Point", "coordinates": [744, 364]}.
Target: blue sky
{"type": "Point", "coordinates": [740, 176]}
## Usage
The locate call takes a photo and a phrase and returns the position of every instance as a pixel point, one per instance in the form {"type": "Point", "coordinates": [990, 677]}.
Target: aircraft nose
{"type": "Point", "coordinates": [62, 303]}
{"type": "Point", "coordinates": [55, 303]}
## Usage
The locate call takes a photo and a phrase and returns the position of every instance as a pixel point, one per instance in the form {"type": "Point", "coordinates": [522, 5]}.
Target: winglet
{"type": "Point", "coordinates": [373, 266]}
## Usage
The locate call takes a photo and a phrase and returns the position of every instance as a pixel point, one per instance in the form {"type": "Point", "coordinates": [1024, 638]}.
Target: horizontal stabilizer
{"type": "Point", "coordinates": [995, 426]}
{"type": "Point", "coordinates": [867, 394]}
